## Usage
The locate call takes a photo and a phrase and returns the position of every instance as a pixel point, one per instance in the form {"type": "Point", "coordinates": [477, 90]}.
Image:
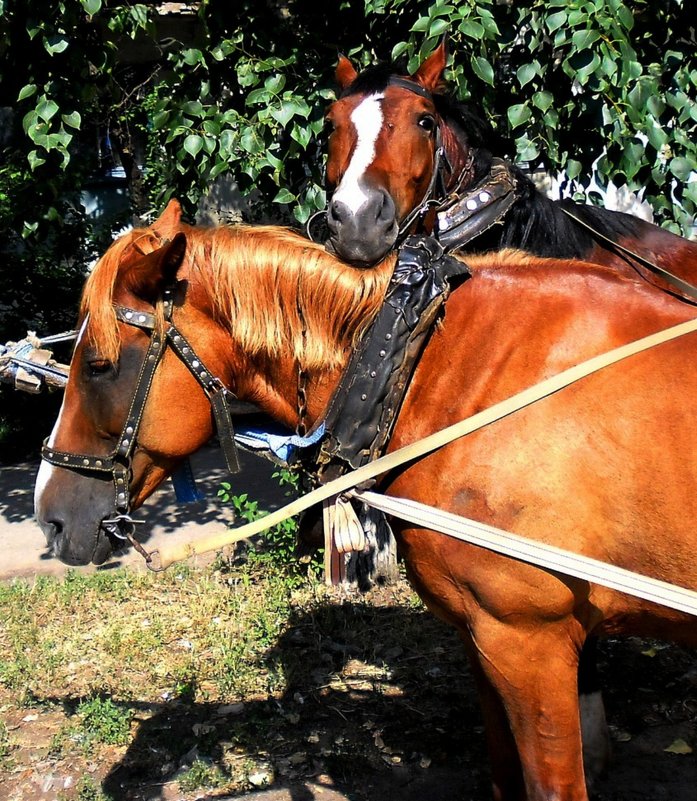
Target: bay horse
{"type": "Point", "coordinates": [385, 178]}
{"type": "Point", "coordinates": [606, 467]}
{"type": "Point", "coordinates": [383, 166]}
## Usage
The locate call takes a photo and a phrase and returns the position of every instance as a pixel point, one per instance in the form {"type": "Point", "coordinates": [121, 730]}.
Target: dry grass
{"type": "Point", "coordinates": [220, 677]}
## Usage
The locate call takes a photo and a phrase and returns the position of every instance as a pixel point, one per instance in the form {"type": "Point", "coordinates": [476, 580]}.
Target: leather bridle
{"type": "Point", "coordinates": [119, 461]}
{"type": "Point", "coordinates": [440, 164]}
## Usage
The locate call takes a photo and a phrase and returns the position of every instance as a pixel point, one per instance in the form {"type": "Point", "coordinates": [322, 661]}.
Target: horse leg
{"type": "Point", "coordinates": [534, 675]}
{"type": "Point", "coordinates": [506, 772]}
{"type": "Point", "coordinates": [594, 731]}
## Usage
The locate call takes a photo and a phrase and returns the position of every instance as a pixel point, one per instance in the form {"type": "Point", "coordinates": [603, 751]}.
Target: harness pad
{"type": "Point", "coordinates": [365, 405]}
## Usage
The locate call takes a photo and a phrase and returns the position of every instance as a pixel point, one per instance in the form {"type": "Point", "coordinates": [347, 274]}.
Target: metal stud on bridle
{"type": "Point", "coordinates": [118, 463]}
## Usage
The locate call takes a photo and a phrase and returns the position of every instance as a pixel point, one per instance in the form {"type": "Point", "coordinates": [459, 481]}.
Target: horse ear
{"type": "Point", "coordinates": [150, 274]}
{"type": "Point", "coordinates": [170, 219]}
{"type": "Point", "coordinates": [345, 72]}
{"type": "Point", "coordinates": [430, 73]}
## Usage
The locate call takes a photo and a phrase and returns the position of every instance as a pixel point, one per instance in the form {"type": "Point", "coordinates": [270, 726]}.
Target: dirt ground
{"type": "Point", "coordinates": [399, 723]}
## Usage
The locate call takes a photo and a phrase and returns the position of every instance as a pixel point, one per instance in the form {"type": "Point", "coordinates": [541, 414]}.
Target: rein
{"type": "Point", "coordinates": [678, 283]}
{"type": "Point", "coordinates": [118, 463]}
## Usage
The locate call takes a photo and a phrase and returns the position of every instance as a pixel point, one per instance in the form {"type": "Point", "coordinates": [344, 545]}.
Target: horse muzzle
{"type": "Point", "coordinates": [70, 510]}
{"type": "Point", "coordinates": [362, 236]}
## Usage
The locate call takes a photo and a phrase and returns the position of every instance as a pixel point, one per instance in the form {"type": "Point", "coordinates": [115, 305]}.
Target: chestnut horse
{"type": "Point", "coordinates": [382, 159]}
{"type": "Point", "coordinates": [606, 467]}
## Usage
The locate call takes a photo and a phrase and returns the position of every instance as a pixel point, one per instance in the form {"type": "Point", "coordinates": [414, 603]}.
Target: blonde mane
{"type": "Point", "coordinates": [275, 291]}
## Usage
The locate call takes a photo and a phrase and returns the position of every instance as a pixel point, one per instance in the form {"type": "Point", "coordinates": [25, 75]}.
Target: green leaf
{"type": "Point", "coordinates": [250, 142]}
{"type": "Point", "coordinates": [193, 107]}
{"type": "Point", "coordinates": [678, 746]}
{"type": "Point", "coordinates": [192, 56]}
{"type": "Point", "coordinates": [226, 141]}
{"type": "Point", "coordinates": [472, 28]}
{"type": "Point", "coordinates": [420, 25]}
{"type": "Point", "coordinates": [526, 73]}
{"type": "Point", "coordinates": [91, 6]}
{"type": "Point", "coordinates": [681, 168]}
{"type": "Point", "coordinates": [193, 144]}
{"type": "Point", "coordinates": [35, 160]}
{"type": "Point", "coordinates": [439, 27]}
{"type": "Point", "coordinates": [555, 21]}
{"type": "Point", "coordinates": [26, 91]}
{"type": "Point", "coordinates": [542, 100]}
{"type": "Point", "coordinates": [73, 120]}
{"type": "Point", "coordinates": [526, 150]}
{"type": "Point", "coordinates": [258, 96]}
{"type": "Point", "coordinates": [285, 196]}
{"type": "Point", "coordinates": [55, 44]}
{"type": "Point", "coordinates": [518, 114]}
{"type": "Point", "coordinates": [275, 83]}
{"type": "Point", "coordinates": [483, 69]}
{"type": "Point", "coordinates": [625, 17]}
{"type": "Point", "coordinates": [46, 108]}
{"type": "Point", "coordinates": [656, 105]}
{"type": "Point", "coordinates": [301, 135]}
{"type": "Point", "coordinates": [284, 113]}
{"type": "Point", "coordinates": [584, 73]}
{"type": "Point", "coordinates": [582, 40]}
{"type": "Point", "coordinates": [399, 49]}
{"type": "Point", "coordinates": [573, 168]}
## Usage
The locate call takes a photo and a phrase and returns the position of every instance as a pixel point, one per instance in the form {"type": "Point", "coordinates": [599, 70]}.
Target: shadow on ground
{"type": "Point", "coordinates": [398, 723]}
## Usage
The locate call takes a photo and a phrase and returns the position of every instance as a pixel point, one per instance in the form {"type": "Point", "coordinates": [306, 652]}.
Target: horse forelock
{"type": "Point", "coordinates": [276, 292]}
{"type": "Point", "coordinates": [102, 330]}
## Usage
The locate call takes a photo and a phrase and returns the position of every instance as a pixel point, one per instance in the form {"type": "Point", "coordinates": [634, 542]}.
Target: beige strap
{"type": "Point", "coordinates": [536, 553]}
{"type": "Point", "coordinates": [164, 557]}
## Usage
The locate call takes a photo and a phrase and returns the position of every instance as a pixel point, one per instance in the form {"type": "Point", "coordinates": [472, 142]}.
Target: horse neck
{"type": "Point", "coordinates": [286, 394]}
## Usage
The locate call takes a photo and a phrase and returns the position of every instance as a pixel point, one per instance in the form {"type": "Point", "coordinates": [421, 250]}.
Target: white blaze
{"type": "Point", "coordinates": [367, 119]}
{"type": "Point", "coordinates": [45, 468]}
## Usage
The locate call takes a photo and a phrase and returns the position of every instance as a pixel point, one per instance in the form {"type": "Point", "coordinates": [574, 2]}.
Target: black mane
{"type": "Point", "coordinates": [534, 223]}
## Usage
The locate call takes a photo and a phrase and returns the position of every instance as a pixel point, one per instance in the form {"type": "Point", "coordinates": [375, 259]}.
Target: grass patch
{"type": "Point", "coordinates": [88, 790]}
{"type": "Point", "coordinates": [200, 775]}
{"type": "Point", "coordinates": [113, 634]}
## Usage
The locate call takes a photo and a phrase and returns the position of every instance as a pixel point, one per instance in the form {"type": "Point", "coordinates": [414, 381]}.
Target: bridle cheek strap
{"type": "Point", "coordinates": [118, 462]}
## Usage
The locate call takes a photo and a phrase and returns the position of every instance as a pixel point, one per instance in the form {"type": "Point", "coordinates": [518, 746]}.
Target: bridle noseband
{"type": "Point", "coordinates": [118, 463]}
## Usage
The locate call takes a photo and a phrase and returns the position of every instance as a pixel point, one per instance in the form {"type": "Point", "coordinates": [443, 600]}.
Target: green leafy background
{"type": "Point", "coordinates": [240, 89]}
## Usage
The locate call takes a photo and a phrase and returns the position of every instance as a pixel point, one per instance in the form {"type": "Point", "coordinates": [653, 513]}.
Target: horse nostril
{"type": "Point", "coordinates": [337, 212]}
{"type": "Point", "coordinates": [385, 210]}
{"type": "Point", "coordinates": [52, 529]}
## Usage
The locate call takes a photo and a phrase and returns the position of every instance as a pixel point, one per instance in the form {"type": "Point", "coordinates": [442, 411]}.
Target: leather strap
{"type": "Point", "coordinates": [165, 556]}
{"type": "Point", "coordinates": [465, 217]}
{"type": "Point", "coordinates": [682, 286]}
{"type": "Point", "coordinates": [540, 554]}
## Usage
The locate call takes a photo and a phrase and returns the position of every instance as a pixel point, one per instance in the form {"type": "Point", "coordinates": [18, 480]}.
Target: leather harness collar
{"type": "Point", "coordinates": [118, 463]}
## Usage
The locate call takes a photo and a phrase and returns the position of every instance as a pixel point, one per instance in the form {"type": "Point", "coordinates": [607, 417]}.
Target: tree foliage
{"type": "Point", "coordinates": [240, 89]}
{"type": "Point", "coordinates": [568, 82]}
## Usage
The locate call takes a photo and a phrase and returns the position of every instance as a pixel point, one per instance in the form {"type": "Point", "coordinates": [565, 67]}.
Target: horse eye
{"type": "Point", "coordinates": [99, 366]}
{"type": "Point", "coordinates": [428, 123]}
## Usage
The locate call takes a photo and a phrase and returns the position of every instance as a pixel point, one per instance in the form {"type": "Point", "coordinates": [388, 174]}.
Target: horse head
{"type": "Point", "coordinates": [93, 467]}
{"type": "Point", "coordinates": [396, 148]}
{"type": "Point", "coordinates": [175, 319]}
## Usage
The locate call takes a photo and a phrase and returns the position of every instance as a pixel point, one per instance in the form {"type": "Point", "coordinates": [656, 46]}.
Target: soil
{"type": "Point", "coordinates": [360, 721]}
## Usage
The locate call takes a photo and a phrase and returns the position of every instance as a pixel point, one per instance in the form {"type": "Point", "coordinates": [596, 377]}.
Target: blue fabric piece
{"type": "Point", "coordinates": [185, 484]}
{"type": "Point", "coordinates": [276, 439]}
